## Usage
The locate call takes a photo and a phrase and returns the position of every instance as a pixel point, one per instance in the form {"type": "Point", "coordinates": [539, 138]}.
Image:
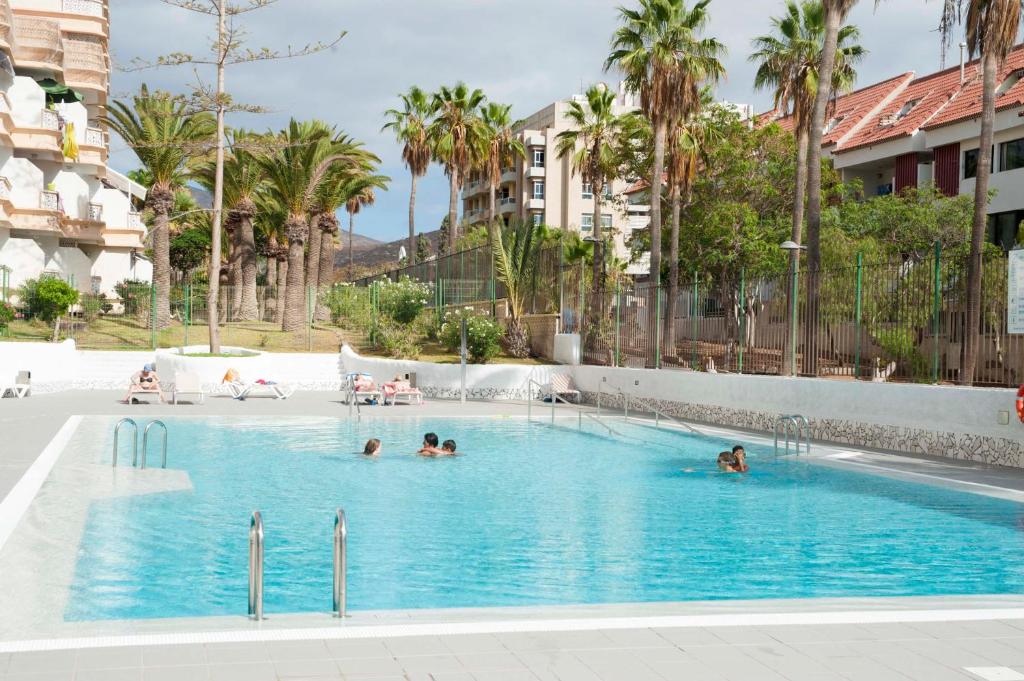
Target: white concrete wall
{"type": "Point", "coordinates": [115, 205]}
{"type": "Point", "coordinates": [27, 102]}
{"type": "Point", "coordinates": [113, 267]}
{"type": "Point", "coordinates": [53, 365]}
{"type": "Point", "coordinates": [75, 193]}
{"type": "Point", "coordinates": [307, 371]}
{"type": "Point", "coordinates": [27, 181]}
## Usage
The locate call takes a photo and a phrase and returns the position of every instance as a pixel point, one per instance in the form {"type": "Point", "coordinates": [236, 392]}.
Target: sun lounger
{"type": "Point", "coordinates": [19, 388]}
{"type": "Point", "coordinates": [402, 391]}
{"type": "Point", "coordinates": [373, 394]}
{"type": "Point", "coordinates": [562, 386]}
{"type": "Point", "coordinates": [188, 384]}
{"type": "Point", "coordinates": [278, 391]}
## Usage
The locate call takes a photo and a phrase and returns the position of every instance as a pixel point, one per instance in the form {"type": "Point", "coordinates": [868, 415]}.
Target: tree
{"type": "Point", "coordinates": [836, 12]}
{"type": "Point", "coordinates": [591, 144]}
{"type": "Point", "coordinates": [189, 249]}
{"type": "Point", "coordinates": [409, 125]}
{"type": "Point", "coordinates": [788, 61]}
{"type": "Point", "coordinates": [167, 140]}
{"type": "Point", "coordinates": [500, 150]}
{"type": "Point", "coordinates": [422, 248]}
{"type": "Point", "coordinates": [228, 50]}
{"type": "Point", "coordinates": [515, 259]}
{"type": "Point", "coordinates": [49, 299]}
{"type": "Point", "coordinates": [992, 28]}
{"type": "Point", "coordinates": [360, 192]}
{"type": "Point", "coordinates": [455, 135]}
{"type": "Point", "coordinates": [664, 60]}
{"type": "Point", "coordinates": [444, 236]}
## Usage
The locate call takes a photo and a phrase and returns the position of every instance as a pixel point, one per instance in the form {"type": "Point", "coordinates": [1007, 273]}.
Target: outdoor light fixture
{"type": "Point", "coordinates": [793, 248]}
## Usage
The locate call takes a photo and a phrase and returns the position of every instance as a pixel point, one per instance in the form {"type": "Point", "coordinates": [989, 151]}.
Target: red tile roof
{"type": "Point", "coordinates": [967, 103]}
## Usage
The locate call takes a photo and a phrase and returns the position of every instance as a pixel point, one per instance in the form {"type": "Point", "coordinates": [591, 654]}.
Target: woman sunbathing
{"type": "Point", "coordinates": [146, 381]}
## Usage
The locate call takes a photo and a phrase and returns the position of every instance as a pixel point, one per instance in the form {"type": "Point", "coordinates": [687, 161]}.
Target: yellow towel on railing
{"type": "Point", "coordinates": [70, 144]}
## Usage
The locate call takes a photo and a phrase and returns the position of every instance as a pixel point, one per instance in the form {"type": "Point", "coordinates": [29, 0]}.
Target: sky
{"type": "Point", "coordinates": [528, 53]}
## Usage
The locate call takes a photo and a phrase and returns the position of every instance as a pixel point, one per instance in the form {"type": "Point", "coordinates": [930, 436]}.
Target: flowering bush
{"type": "Point", "coordinates": [6, 314]}
{"type": "Point", "coordinates": [403, 300]}
{"type": "Point", "coordinates": [483, 334]}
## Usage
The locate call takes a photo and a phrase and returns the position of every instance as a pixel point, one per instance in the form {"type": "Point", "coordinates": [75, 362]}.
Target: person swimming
{"type": "Point", "coordinates": [734, 461]}
{"type": "Point", "coordinates": [372, 447]}
{"type": "Point", "coordinates": [448, 447]}
{"type": "Point", "coordinates": [430, 448]}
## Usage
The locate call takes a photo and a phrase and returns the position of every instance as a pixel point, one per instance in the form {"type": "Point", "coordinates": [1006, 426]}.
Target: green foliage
{"type": "Point", "coordinates": [396, 340]}
{"type": "Point", "coordinates": [7, 314]}
{"type": "Point", "coordinates": [472, 237]}
{"type": "Point", "coordinates": [483, 334]}
{"type": "Point", "coordinates": [349, 306]}
{"type": "Point", "coordinates": [404, 299]}
{"type": "Point", "coordinates": [93, 305]}
{"type": "Point", "coordinates": [48, 298]}
{"type": "Point", "coordinates": [442, 237]}
{"type": "Point", "coordinates": [515, 257]}
{"type": "Point", "coordinates": [189, 249]}
{"type": "Point", "coordinates": [134, 295]}
{"type": "Point", "coordinates": [422, 248]}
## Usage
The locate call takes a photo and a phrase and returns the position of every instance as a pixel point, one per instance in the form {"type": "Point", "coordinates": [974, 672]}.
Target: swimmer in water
{"type": "Point", "coordinates": [430, 448]}
{"type": "Point", "coordinates": [372, 447]}
{"type": "Point", "coordinates": [448, 447]}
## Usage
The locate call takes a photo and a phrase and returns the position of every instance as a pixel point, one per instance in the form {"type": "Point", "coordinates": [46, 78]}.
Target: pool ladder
{"type": "Point", "coordinates": [339, 597]}
{"type": "Point", "coordinates": [145, 442]}
{"type": "Point", "coordinates": [799, 426]}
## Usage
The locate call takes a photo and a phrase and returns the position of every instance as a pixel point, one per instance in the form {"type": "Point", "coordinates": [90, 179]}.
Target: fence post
{"type": "Point", "coordinates": [693, 323]}
{"type": "Point", "coordinates": [859, 312]}
{"type": "Point", "coordinates": [618, 323]}
{"type": "Point", "coordinates": [309, 319]}
{"type": "Point", "coordinates": [188, 310]}
{"type": "Point", "coordinates": [743, 314]}
{"type": "Point", "coordinates": [936, 312]}
{"type": "Point", "coordinates": [657, 327]}
{"type": "Point", "coordinates": [152, 314]}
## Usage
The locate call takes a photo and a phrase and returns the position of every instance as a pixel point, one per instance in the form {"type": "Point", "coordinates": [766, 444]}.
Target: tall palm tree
{"type": "Point", "coordinates": [294, 173]}
{"type": "Point", "coordinates": [269, 223]}
{"type": "Point", "coordinates": [992, 29]}
{"type": "Point", "coordinates": [501, 149]}
{"type": "Point", "coordinates": [243, 180]}
{"type": "Point", "coordinates": [591, 144]}
{"type": "Point", "coordinates": [664, 59]}
{"type": "Point", "coordinates": [360, 192]}
{"type": "Point", "coordinates": [409, 124]}
{"type": "Point", "coordinates": [836, 12]}
{"type": "Point", "coordinates": [167, 140]}
{"type": "Point", "coordinates": [788, 60]}
{"type": "Point", "coordinates": [455, 135]}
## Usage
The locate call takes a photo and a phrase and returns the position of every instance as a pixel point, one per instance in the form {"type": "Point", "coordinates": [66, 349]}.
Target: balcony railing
{"type": "Point", "coordinates": [134, 220]}
{"type": "Point", "coordinates": [85, 61]}
{"type": "Point", "coordinates": [94, 137]}
{"type": "Point", "coordinates": [6, 22]}
{"type": "Point", "coordinates": [49, 120]}
{"type": "Point", "coordinates": [508, 201]}
{"type": "Point", "coordinates": [38, 41]}
{"type": "Point", "coordinates": [96, 212]}
{"type": "Point", "coordinates": [91, 8]}
{"type": "Point", "coordinates": [49, 200]}
{"type": "Point", "coordinates": [5, 189]}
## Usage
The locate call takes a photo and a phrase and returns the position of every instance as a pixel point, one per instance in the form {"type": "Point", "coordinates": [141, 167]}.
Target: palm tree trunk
{"type": "Point", "coordinates": [453, 210]}
{"type": "Point", "coordinates": [234, 270]}
{"type": "Point", "coordinates": [660, 135]}
{"type": "Point", "coordinates": [979, 227]}
{"type": "Point", "coordinates": [270, 297]}
{"type": "Point", "coordinates": [492, 215]}
{"type": "Point", "coordinates": [249, 307]}
{"type": "Point", "coordinates": [295, 298]}
{"type": "Point", "coordinates": [313, 252]}
{"type": "Point", "coordinates": [282, 288]}
{"type": "Point", "coordinates": [351, 255]}
{"type": "Point", "coordinates": [800, 192]}
{"type": "Point", "coordinates": [326, 262]}
{"type": "Point", "coordinates": [412, 221]}
{"type": "Point", "coordinates": [834, 16]}
{"type": "Point", "coordinates": [160, 202]}
{"type": "Point", "coordinates": [669, 329]}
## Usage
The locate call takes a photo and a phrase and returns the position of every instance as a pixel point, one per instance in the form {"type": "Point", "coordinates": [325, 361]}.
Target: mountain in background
{"type": "Point", "coordinates": [371, 256]}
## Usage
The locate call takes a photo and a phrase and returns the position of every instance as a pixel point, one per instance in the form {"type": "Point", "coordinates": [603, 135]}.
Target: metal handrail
{"type": "Point", "coordinates": [805, 430]}
{"type": "Point", "coordinates": [555, 398]}
{"type": "Point", "coordinates": [340, 564]}
{"type": "Point", "coordinates": [799, 424]}
{"type": "Point", "coordinates": [135, 438]}
{"type": "Point", "coordinates": [256, 566]}
{"type": "Point", "coordinates": [145, 444]}
{"type": "Point", "coordinates": [658, 414]}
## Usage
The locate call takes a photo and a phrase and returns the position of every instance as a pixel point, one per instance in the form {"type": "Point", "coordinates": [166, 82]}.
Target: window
{"type": "Point", "coordinates": [1003, 228]}
{"type": "Point", "coordinates": [1011, 155]}
{"type": "Point", "coordinates": [538, 190]}
{"type": "Point", "coordinates": [606, 221]}
{"type": "Point", "coordinates": [833, 123]}
{"type": "Point", "coordinates": [538, 219]}
{"type": "Point", "coordinates": [586, 223]}
{"type": "Point", "coordinates": [538, 158]}
{"type": "Point", "coordinates": [588, 190]}
{"type": "Point", "coordinates": [971, 163]}
{"type": "Point", "coordinates": [608, 192]}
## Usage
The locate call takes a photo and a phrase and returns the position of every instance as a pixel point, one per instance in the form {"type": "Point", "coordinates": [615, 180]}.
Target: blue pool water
{"type": "Point", "coordinates": [532, 514]}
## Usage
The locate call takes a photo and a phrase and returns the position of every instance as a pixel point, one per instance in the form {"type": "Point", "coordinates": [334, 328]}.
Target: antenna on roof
{"type": "Point", "coordinates": [963, 63]}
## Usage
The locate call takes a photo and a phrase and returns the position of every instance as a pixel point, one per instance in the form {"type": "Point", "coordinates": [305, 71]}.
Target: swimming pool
{"type": "Point", "coordinates": [533, 514]}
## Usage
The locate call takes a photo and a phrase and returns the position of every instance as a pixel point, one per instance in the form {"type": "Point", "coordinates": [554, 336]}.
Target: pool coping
{"type": "Point", "coordinates": [399, 623]}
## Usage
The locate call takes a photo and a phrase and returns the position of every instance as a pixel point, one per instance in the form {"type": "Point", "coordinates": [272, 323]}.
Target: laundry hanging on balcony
{"type": "Point", "coordinates": [59, 92]}
{"type": "Point", "coordinates": [70, 143]}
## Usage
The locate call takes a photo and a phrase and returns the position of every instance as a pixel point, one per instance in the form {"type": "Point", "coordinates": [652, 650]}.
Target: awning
{"type": "Point", "coordinates": [58, 92]}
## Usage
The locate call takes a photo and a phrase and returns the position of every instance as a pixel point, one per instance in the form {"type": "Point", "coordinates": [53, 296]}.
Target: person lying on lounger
{"type": "Point", "coordinates": [145, 381]}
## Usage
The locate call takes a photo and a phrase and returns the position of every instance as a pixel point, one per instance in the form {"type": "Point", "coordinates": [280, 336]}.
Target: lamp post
{"type": "Point", "coordinates": [793, 249]}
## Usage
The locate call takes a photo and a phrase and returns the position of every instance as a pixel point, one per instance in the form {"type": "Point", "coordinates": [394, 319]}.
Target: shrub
{"type": "Point", "coordinates": [349, 306]}
{"type": "Point", "coordinates": [483, 334]}
{"type": "Point", "coordinates": [6, 314]}
{"type": "Point", "coordinates": [396, 341]}
{"type": "Point", "coordinates": [427, 326]}
{"type": "Point", "coordinates": [134, 295]}
{"type": "Point", "coordinates": [404, 299]}
{"type": "Point", "coordinates": [48, 298]}
{"type": "Point", "coordinates": [93, 305]}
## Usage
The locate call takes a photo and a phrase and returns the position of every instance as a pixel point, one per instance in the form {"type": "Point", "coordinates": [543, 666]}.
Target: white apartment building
{"type": "Point", "coordinates": [71, 217]}
{"type": "Point", "coordinates": [543, 188]}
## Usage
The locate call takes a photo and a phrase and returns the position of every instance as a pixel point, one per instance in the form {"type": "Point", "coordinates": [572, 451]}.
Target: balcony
{"type": "Point", "coordinates": [49, 120]}
{"type": "Point", "coordinates": [535, 204]}
{"type": "Point", "coordinates": [38, 43]}
{"type": "Point", "coordinates": [135, 221]}
{"type": "Point", "coordinates": [473, 188]}
{"type": "Point", "coordinates": [96, 212]}
{"type": "Point", "coordinates": [535, 140]}
{"type": "Point", "coordinates": [508, 176]}
{"type": "Point", "coordinates": [6, 25]}
{"type": "Point", "coordinates": [507, 205]}
{"type": "Point", "coordinates": [535, 172]}
{"type": "Point", "coordinates": [85, 62]}
{"type": "Point", "coordinates": [49, 201]}
{"type": "Point", "coordinates": [5, 189]}
{"type": "Point", "coordinates": [94, 137]}
{"type": "Point", "coordinates": [89, 8]}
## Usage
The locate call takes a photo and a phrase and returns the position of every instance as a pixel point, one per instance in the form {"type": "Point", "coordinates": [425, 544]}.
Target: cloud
{"type": "Point", "coordinates": [528, 53]}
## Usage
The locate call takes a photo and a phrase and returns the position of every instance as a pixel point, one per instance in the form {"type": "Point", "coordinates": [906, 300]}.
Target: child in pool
{"type": "Point", "coordinates": [372, 447]}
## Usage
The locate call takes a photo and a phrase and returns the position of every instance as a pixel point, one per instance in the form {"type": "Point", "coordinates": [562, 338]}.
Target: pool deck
{"type": "Point", "coordinates": [810, 640]}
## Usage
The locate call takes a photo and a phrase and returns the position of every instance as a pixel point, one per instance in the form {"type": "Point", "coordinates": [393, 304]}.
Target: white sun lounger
{"type": "Point", "coordinates": [562, 386]}
{"type": "Point", "coordinates": [18, 389]}
{"type": "Point", "coordinates": [375, 395]}
{"type": "Point", "coordinates": [188, 384]}
{"type": "Point", "coordinates": [278, 391]}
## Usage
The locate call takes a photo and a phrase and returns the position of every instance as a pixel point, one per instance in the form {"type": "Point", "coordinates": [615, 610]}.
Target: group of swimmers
{"type": "Point", "coordinates": [734, 461]}
{"type": "Point", "coordinates": [430, 447]}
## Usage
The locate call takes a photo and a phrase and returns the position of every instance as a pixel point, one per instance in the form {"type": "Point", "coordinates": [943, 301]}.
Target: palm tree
{"type": "Point", "coordinates": [294, 175]}
{"type": "Point", "coordinates": [501, 149]}
{"type": "Point", "coordinates": [167, 139]}
{"type": "Point", "coordinates": [360, 192]}
{"type": "Point", "coordinates": [660, 52]}
{"type": "Point", "coordinates": [515, 259]}
{"type": "Point", "coordinates": [992, 28]}
{"type": "Point", "coordinates": [269, 222]}
{"type": "Point", "coordinates": [788, 61]}
{"type": "Point", "coordinates": [591, 144]}
{"type": "Point", "coordinates": [455, 134]}
{"type": "Point", "coordinates": [409, 125]}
